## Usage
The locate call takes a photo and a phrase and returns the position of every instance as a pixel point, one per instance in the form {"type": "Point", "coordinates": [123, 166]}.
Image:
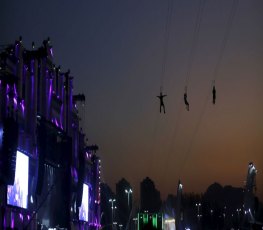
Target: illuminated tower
{"type": "Point", "coordinates": [249, 199]}
{"type": "Point", "coordinates": [179, 214]}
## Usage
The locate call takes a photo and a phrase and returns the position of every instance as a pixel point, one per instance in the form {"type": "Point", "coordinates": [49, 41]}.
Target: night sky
{"type": "Point", "coordinates": [116, 50]}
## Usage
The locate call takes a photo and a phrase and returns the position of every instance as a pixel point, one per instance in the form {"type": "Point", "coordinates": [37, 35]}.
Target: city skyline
{"type": "Point", "coordinates": [116, 50]}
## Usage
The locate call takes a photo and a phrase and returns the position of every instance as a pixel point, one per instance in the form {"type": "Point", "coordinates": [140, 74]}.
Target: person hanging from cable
{"type": "Point", "coordinates": [185, 99]}
{"type": "Point", "coordinates": [214, 94]}
{"type": "Point", "coordinates": [186, 102]}
{"type": "Point", "coordinates": [161, 96]}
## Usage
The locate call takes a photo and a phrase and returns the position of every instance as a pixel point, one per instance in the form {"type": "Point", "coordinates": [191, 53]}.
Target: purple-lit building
{"type": "Point", "coordinates": [48, 174]}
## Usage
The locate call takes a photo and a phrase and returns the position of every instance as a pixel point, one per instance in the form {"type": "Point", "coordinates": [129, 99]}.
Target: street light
{"type": "Point", "coordinates": [198, 205]}
{"type": "Point", "coordinates": [135, 219]}
{"type": "Point", "coordinates": [211, 212]}
{"type": "Point", "coordinates": [112, 208]}
{"type": "Point", "coordinates": [238, 211]}
{"type": "Point", "coordinates": [128, 191]}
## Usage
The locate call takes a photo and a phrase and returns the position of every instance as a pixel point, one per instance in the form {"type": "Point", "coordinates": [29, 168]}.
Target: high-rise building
{"type": "Point", "coordinates": [107, 207]}
{"type": "Point", "coordinates": [150, 197]}
{"type": "Point", "coordinates": [124, 201]}
{"type": "Point", "coordinates": [48, 173]}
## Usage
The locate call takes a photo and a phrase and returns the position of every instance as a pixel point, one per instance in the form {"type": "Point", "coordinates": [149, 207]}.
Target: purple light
{"type": "Point", "coordinates": [50, 87]}
{"type": "Point", "coordinates": [21, 217]}
{"type": "Point", "coordinates": [4, 221]}
{"type": "Point", "coordinates": [32, 66]}
{"type": "Point", "coordinates": [74, 174]}
{"type": "Point", "coordinates": [61, 117]}
{"type": "Point", "coordinates": [51, 51]}
{"type": "Point", "coordinates": [15, 102]}
{"type": "Point", "coordinates": [50, 92]}
{"type": "Point", "coordinates": [23, 107]}
{"type": "Point", "coordinates": [32, 90]}
{"type": "Point", "coordinates": [56, 122]}
{"type": "Point", "coordinates": [12, 220]}
{"type": "Point", "coordinates": [62, 107]}
{"type": "Point", "coordinates": [15, 91]}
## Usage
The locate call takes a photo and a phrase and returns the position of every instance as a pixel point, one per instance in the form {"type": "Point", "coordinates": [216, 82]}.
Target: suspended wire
{"type": "Point", "coordinates": [192, 139]}
{"type": "Point", "coordinates": [171, 147]}
{"type": "Point", "coordinates": [163, 70]}
{"type": "Point", "coordinates": [224, 42]}
{"type": "Point", "coordinates": [192, 53]}
{"type": "Point", "coordinates": [190, 63]}
{"type": "Point", "coordinates": [194, 41]}
{"type": "Point", "coordinates": [226, 37]}
{"type": "Point", "coordinates": [188, 73]}
{"type": "Point", "coordinates": [166, 40]}
{"type": "Point", "coordinates": [223, 47]}
{"type": "Point", "coordinates": [152, 141]}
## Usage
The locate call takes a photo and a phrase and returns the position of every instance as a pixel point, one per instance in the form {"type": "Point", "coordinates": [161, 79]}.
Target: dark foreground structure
{"type": "Point", "coordinates": [49, 176]}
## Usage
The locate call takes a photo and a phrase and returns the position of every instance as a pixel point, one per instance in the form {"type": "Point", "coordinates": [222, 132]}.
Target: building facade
{"type": "Point", "coordinates": [48, 174]}
{"type": "Point", "coordinates": [150, 197]}
{"type": "Point", "coordinates": [124, 202]}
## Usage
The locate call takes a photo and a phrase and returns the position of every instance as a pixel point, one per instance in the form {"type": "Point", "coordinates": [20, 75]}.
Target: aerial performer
{"type": "Point", "coordinates": [186, 102]}
{"type": "Point", "coordinates": [161, 102]}
{"type": "Point", "coordinates": [214, 94]}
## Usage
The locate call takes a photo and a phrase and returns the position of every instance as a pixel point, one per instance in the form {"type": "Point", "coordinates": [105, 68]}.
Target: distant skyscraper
{"type": "Point", "coordinates": [106, 206]}
{"type": "Point", "coordinates": [150, 196]}
{"type": "Point", "coordinates": [124, 200]}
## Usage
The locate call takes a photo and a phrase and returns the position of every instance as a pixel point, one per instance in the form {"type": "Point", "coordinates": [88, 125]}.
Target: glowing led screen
{"type": "Point", "coordinates": [84, 208]}
{"type": "Point", "coordinates": [17, 193]}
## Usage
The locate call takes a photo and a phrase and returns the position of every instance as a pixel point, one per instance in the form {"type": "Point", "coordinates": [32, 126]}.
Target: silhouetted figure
{"type": "Point", "coordinates": [214, 94]}
{"type": "Point", "coordinates": [186, 102]}
{"type": "Point", "coordinates": [161, 102]}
